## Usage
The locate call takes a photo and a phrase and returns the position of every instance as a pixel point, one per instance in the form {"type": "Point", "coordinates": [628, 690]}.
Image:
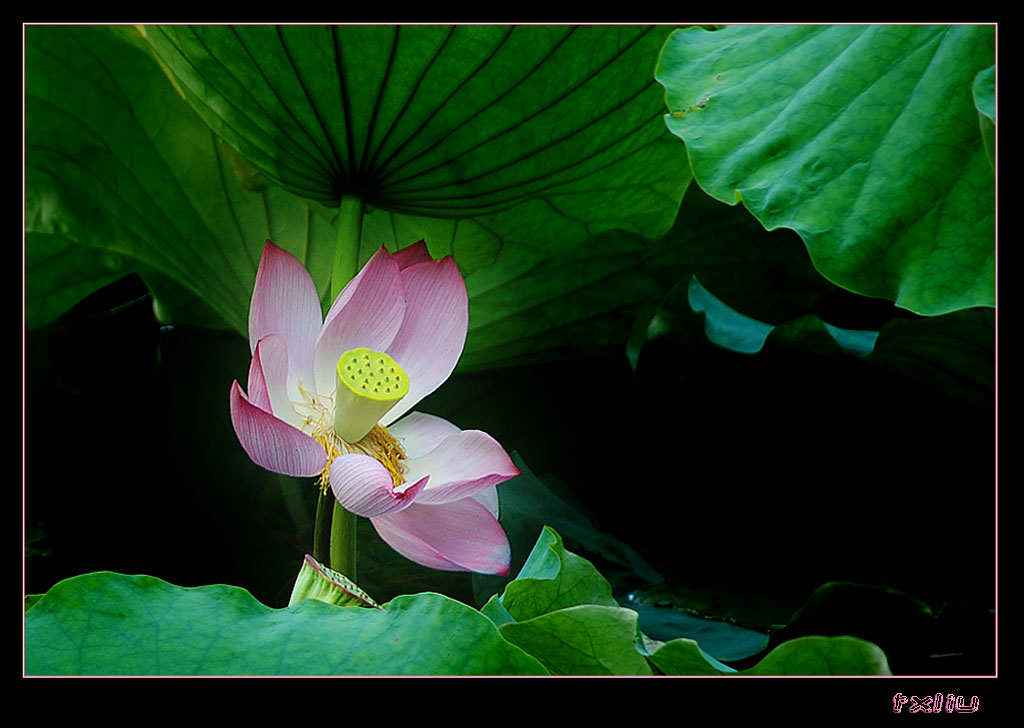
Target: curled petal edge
{"type": "Point", "coordinates": [461, 466]}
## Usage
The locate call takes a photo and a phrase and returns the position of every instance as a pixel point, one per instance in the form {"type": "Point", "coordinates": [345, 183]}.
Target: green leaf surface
{"type": "Point", "coordinates": [684, 657]}
{"type": "Point", "coordinates": [985, 100]}
{"type": "Point", "coordinates": [719, 639]}
{"type": "Point", "coordinates": [823, 656]}
{"type": "Point", "coordinates": [692, 306]}
{"type": "Point", "coordinates": [954, 353]}
{"type": "Point", "coordinates": [553, 579]}
{"type": "Point", "coordinates": [897, 622]}
{"type": "Point", "coordinates": [528, 301]}
{"type": "Point", "coordinates": [59, 274]}
{"type": "Point", "coordinates": [582, 640]}
{"type": "Point", "coordinates": [863, 139]}
{"type": "Point", "coordinates": [559, 122]}
{"type": "Point", "coordinates": [526, 304]}
{"type": "Point", "coordinates": [506, 147]}
{"type": "Point", "coordinates": [122, 176]}
{"type": "Point", "coordinates": [528, 503]}
{"type": "Point", "coordinates": [801, 656]}
{"type": "Point", "coordinates": [559, 610]}
{"type": "Point", "coordinates": [111, 624]}
{"type": "Point", "coordinates": [984, 90]}
{"type": "Point", "coordinates": [724, 325]}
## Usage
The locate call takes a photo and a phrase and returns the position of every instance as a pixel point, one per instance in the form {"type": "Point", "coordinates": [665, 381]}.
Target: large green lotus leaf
{"type": "Point", "coordinates": [111, 624]}
{"type": "Point", "coordinates": [59, 273]}
{"type": "Point", "coordinates": [122, 176]}
{"type": "Point", "coordinates": [863, 139]}
{"type": "Point", "coordinates": [549, 131]}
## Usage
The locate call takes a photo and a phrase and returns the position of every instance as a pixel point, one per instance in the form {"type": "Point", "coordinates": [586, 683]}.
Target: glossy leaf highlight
{"type": "Point", "coordinates": [111, 624]}
{"type": "Point", "coordinates": [863, 139]}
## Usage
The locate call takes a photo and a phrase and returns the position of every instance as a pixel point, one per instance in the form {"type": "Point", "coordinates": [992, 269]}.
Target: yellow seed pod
{"type": "Point", "coordinates": [370, 383]}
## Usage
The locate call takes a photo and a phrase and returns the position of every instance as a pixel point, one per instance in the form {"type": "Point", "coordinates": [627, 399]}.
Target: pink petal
{"type": "Point", "coordinates": [363, 486]}
{"type": "Point", "coordinates": [433, 333]}
{"type": "Point", "coordinates": [460, 466]}
{"type": "Point", "coordinates": [285, 302]}
{"type": "Point", "coordinates": [257, 384]}
{"type": "Point", "coordinates": [420, 433]}
{"type": "Point", "coordinates": [489, 498]}
{"type": "Point", "coordinates": [415, 253]}
{"type": "Point", "coordinates": [459, 536]}
{"type": "Point", "coordinates": [367, 313]}
{"type": "Point", "coordinates": [268, 378]}
{"type": "Point", "coordinates": [272, 443]}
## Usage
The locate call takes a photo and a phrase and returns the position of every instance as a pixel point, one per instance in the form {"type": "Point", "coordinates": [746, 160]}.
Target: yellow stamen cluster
{"type": "Point", "coordinates": [381, 444]}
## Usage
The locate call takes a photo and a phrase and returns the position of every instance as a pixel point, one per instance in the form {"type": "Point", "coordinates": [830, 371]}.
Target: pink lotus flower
{"type": "Point", "coordinates": [400, 324]}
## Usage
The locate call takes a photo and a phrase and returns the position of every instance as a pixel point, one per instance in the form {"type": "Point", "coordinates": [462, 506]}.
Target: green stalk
{"type": "Point", "coordinates": [322, 527]}
{"type": "Point", "coordinates": [346, 265]}
{"type": "Point", "coordinates": [346, 243]}
{"type": "Point", "coordinates": [343, 542]}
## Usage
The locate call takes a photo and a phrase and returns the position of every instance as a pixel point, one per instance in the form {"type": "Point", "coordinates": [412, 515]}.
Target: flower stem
{"type": "Point", "coordinates": [346, 243]}
{"type": "Point", "coordinates": [322, 527]}
{"type": "Point", "coordinates": [346, 265]}
{"type": "Point", "coordinates": [343, 541]}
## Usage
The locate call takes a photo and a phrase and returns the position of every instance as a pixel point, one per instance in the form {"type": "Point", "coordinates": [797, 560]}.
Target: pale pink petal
{"type": "Point", "coordinates": [350, 288]}
{"type": "Point", "coordinates": [285, 302]}
{"type": "Point", "coordinates": [415, 253]}
{"type": "Point", "coordinates": [256, 387]}
{"type": "Point", "coordinates": [459, 536]}
{"type": "Point", "coordinates": [433, 333]}
{"type": "Point", "coordinates": [460, 466]}
{"type": "Point", "coordinates": [272, 443]}
{"type": "Point", "coordinates": [489, 498]}
{"type": "Point", "coordinates": [367, 314]}
{"type": "Point", "coordinates": [363, 486]}
{"type": "Point", "coordinates": [268, 379]}
{"type": "Point", "coordinates": [420, 433]}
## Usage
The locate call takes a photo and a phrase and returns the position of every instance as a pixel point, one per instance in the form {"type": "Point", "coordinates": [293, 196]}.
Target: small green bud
{"type": "Point", "coordinates": [316, 581]}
